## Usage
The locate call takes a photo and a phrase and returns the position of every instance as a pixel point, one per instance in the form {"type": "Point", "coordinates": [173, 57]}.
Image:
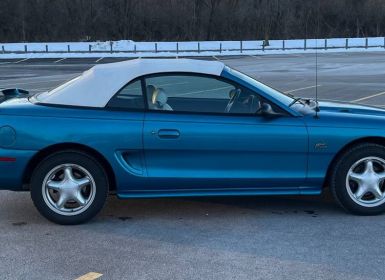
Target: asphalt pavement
{"type": "Point", "coordinates": [204, 238]}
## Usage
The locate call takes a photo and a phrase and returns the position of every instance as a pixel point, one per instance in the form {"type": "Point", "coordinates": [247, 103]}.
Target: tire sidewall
{"type": "Point", "coordinates": [70, 157]}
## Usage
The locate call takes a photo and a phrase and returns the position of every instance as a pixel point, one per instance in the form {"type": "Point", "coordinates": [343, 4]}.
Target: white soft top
{"type": "Point", "coordinates": [95, 87]}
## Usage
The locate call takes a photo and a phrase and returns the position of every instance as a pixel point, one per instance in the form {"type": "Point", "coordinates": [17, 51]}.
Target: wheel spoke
{"type": "Point", "coordinates": [361, 191]}
{"type": "Point", "coordinates": [79, 198]}
{"type": "Point", "coordinates": [377, 192]}
{"type": "Point", "coordinates": [83, 182]}
{"type": "Point", "coordinates": [381, 176]}
{"type": "Point", "coordinates": [61, 201]}
{"type": "Point", "coordinates": [369, 167]}
{"type": "Point", "coordinates": [54, 185]}
{"type": "Point", "coordinates": [68, 173]}
{"type": "Point", "coordinates": [355, 176]}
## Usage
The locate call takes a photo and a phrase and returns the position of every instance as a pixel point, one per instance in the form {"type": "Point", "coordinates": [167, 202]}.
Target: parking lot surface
{"type": "Point", "coordinates": [204, 238]}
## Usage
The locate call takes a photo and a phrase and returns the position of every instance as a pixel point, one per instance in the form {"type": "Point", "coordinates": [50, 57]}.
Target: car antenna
{"type": "Point", "coordinates": [317, 109]}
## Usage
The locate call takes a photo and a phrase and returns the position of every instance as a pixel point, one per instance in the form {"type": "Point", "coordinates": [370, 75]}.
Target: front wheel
{"type": "Point", "coordinates": [69, 187]}
{"type": "Point", "coordinates": [358, 180]}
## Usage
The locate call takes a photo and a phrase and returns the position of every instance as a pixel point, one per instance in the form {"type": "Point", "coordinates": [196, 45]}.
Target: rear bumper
{"type": "Point", "coordinates": [12, 166]}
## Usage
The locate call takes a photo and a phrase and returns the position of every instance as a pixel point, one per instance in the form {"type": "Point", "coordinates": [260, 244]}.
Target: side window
{"type": "Point", "coordinates": [129, 97]}
{"type": "Point", "coordinates": [198, 94]}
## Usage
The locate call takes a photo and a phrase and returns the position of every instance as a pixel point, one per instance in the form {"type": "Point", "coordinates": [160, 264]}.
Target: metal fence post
{"type": "Point", "coordinates": [366, 43]}
{"type": "Point", "coordinates": [347, 43]}
{"type": "Point", "coordinates": [25, 48]}
{"type": "Point", "coordinates": [220, 47]}
{"type": "Point", "coordinates": [283, 45]}
{"type": "Point", "coordinates": [199, 47]}
{"type": "Point", "coordinates": [241, 46]}
{"type": "Point", "coordinates": [134, 48]}
{"type": "Point", "coordinates": [46, 48]}
{"type": "Point", "coordinates": [111, 43]}
{"type": "Point", "coordinates": [156, 47]}
{"type": "Point", "coordinates": [384, 42]}
{"type": "Point", "coordinates": [89, 48]}
{"type": "Point", "coordinates": [326, 44]}
{"type": "Point", "coordinates": [3, 49]}
{"type": "Point", "coordinates": [68, 48]}
{"type": "Point", "coordinates": [263, 46]}
{"type": "Point", "coordinates": [177, 47]}
{"type": "Point", "coordinates": [305, 44]}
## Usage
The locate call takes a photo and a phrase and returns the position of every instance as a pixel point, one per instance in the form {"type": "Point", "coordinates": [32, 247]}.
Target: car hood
{"type": "Point", "coordinates": [345, 114]}
{"type": "Point", "coordinates": [350, 108]}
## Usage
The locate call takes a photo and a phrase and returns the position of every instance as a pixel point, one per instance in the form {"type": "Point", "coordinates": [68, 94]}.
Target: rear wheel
{"type": "Point", "coordinates": [69, 187]}
{"type": "Point", "coordinates": [358, 180]}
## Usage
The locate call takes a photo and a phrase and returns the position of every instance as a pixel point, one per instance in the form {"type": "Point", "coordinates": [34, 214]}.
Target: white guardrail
{"type": "Point", "coordinates": [141, 49]}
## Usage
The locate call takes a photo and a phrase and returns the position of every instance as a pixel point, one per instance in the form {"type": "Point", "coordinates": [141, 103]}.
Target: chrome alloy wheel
{"type": "Point", "coordinates": [68, 189]}
{"type": "Point", "coordinates": [365, 182]}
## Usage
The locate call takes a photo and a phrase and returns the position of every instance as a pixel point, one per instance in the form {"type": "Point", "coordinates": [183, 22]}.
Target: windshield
{"type": "Point", "coordinates": [280, 96]}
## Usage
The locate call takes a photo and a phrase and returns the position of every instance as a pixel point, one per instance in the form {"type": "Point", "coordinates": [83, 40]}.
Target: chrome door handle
{"type": "Point", "coordinates": [168, 133]}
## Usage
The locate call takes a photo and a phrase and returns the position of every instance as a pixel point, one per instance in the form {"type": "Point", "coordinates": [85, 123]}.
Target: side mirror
{"type": "Point", "coordinates": [266, 109]}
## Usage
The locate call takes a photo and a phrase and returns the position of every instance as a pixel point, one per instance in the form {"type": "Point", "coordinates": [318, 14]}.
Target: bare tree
{"type": "Point", "coordinates": [75, 20]}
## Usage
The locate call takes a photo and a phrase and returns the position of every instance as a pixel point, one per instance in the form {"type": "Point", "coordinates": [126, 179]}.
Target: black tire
{"type": "Point", "coordinates": [91, 165]}
{"type": "Point", "coordinates": [340, 172]}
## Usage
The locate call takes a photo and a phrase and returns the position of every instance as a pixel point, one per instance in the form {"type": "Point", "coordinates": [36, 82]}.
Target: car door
{"type": "Point", "coordinates": [125, 134]}
{"type": "Point", "coordinates": [192, 141]}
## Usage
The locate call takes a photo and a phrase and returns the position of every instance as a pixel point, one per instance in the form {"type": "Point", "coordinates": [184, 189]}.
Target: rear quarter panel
{"type": "Point", "coordinates": [38, 127]}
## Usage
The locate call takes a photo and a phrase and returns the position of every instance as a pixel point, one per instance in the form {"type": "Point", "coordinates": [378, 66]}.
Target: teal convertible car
{"type": "Point", "coordinates": [166, 128]}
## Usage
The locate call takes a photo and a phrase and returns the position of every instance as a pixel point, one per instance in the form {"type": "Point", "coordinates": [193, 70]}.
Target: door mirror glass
{"type": "Point", "coordinates": [265, 109]}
